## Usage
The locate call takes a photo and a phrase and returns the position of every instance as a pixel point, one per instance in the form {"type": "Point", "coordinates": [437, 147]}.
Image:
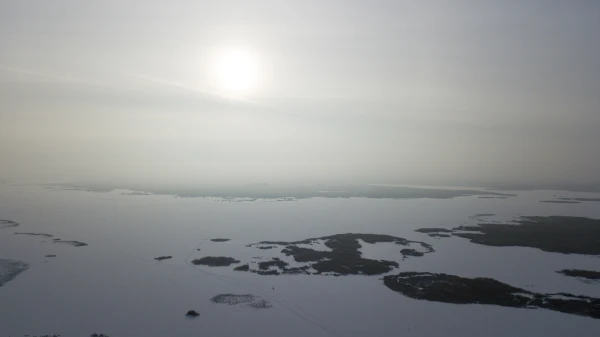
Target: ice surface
{"type": "Point", "coordinates": [115, 286]}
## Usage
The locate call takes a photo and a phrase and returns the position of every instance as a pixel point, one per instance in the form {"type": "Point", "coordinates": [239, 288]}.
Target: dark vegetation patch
{"type": "Point", "coordinates": [265, 247]}
{"type": "Point", "coordinates": [267, 272]}
{"type": "Point", "coordinates": [160, 258]}
{"type": "Point", "coordinates": [8, 224]}
{"type": "Point", "coordinates": [588, 274]}
{"type": "Point", "coordinates": [297, 270]}
{"type": "Point", "coordinates": [410, 252]}
{"type": "Point", "coordinates": [480, 215]}
{"type": "Point", "coordinates": [244, 267]}
{"type": "Point", "coordinates": [454, 289]}
{"type": "Point", "coordinates": [219, 240]}
{"type": "Point", "coordinates": [560, 201]}
{"type": "Point", "coordinates": [248, 300]}
{"type": "Point", "coordinates": [557, 234]}
{"type": "Point", "coordinates": [71, 242]}
{"type": "Point", "coordinates": [192, 313]}
{"type": "Point", "coordinates": [344, 257]}
{"type": "Point", "coordinates": [215, 261]}
{"type": "Point", "coordinates": [266, 265]}
{"type": "Point", "coordinates": [433, 230]}
{"type": "Point", "coordinates": [50, 255]}
{"type": "Point", "coordinates": [259, 304]}
{"type": "Point", "coordinates": [439, 235]}
{"type": "Point", "coordinates": [35, 234]}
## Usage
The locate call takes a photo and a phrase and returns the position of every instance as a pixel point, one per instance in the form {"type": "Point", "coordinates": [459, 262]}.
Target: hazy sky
{"type": "Point", "coordinates": [366, 91]}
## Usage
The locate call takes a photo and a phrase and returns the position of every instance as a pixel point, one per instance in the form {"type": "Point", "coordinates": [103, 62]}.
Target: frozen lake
{"type": "Point", "coordinates": [114, 286]}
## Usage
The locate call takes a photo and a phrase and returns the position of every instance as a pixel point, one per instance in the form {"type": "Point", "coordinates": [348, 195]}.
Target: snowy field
{"type": "Point", "coordinates": [116, 287]}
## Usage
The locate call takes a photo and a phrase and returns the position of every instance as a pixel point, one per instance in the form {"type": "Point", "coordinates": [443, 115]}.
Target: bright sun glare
{"type": "Point", "coordinates": [236, 71]}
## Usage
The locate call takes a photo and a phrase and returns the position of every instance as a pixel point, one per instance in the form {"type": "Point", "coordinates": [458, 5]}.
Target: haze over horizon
{"type": "Point", "coordinates": [237, 92]}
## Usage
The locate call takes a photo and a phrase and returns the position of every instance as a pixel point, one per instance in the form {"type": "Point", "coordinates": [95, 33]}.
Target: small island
{"type": "Point", "coordinates": [215, 261]}
{"type": "Point", "coordinates": [9, 269]}
{"type": "Point", "coordinates": [560, 201]}
{"type": "Point", "coordinates": [556, 234]}
{"type": "Point", "coordinates": [160, 258]}
{"type": "Point", "coordinates": [459, 290]}
{"type": "Point", "coordinates": [8, 224]}
{"type": "Point", "coordinates": [587, 274]}
{"type": "Point", "coordinates": [220, 240]}
{"type": "Point", "coordinates": [344, 258]}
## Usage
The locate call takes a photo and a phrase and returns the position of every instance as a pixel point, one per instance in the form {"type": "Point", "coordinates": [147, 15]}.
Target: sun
{"type": "Point", "coordinates": [236, 71]}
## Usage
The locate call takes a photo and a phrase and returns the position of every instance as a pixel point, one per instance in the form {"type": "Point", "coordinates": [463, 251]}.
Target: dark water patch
{"type": "Point", "coordinates": [459, 290]}
{"type": "Point", "coordinates": [344, 258]}
{"type": "Point", "coordinates": [588, 274]}
{"type": "Point", "coordinates": [45, 235]}
{"type": "Point", "coordinates": [215, 261]}
{"type": "Point", "coordinates": [220, 240]}
{"type": "Point", "coordinates": [560, 201]}
{"type": "Point", "coordinates": [556, 234]}
{"type": "Point", "coordinates": [160, 258]}
{"type": "Point", "coordinates": [247, 300]}
{"type": "Point", "coordinates": [9, 269]}
{"type": "Point", "coordinates": [8, 224]}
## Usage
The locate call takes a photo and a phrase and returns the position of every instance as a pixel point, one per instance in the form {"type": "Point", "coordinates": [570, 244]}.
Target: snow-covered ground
{"type": "Point", "coordinates": [114, 285]}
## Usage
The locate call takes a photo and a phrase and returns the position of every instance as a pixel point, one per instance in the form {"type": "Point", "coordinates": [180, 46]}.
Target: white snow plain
{"type": "Point", "coordinates": [114, 286]}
